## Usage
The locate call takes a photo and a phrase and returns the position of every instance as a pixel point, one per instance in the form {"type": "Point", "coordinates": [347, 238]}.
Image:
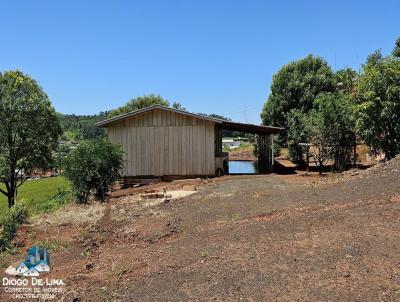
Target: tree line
{"type": "Point", "coordinates": [330, 111]}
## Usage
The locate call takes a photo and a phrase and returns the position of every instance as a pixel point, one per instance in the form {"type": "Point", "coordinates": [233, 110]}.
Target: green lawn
{"type": "Point", "coordinates": [36, 194]}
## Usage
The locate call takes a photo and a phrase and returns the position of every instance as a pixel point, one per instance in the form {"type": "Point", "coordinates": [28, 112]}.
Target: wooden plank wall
{"type": "Point", "coordinates": [218, 141]}
{"type": "Point", "coordinates": [162, 143]}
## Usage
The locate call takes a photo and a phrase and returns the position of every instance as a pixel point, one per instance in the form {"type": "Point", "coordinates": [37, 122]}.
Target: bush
{"type": "Point", "coordinates": [92, 168]}
{"type": "Point", "coordinates": [18, 214]}
{"type": "Point", "coordinates": [10, 223]}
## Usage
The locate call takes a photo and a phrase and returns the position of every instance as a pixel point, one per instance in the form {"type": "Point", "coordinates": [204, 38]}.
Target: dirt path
{"type": "Point", "coordinates": [251, 238]}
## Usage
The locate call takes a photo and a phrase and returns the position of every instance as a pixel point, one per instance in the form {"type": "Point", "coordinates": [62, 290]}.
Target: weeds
{"type": "Point", "coordinates": [53, 203]}
{"type": "Point", "coordinates": [204, 254]}
{"type": "Point", "coordinates": [54, 245]}
{"type": "Point", "coordinates": [234, 217]}
{"type": "Point", "coordinates": [86, 254]}
{"type": "Point", "coordinates": [119, 273]}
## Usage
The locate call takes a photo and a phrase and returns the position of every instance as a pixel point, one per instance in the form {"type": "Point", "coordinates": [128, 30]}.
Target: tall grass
{"type": "Point", "coordinates": [40, 195]}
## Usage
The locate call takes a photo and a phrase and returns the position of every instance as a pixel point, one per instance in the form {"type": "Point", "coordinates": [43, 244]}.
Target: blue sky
{"type": "Point", "coordinates": [212, 56]}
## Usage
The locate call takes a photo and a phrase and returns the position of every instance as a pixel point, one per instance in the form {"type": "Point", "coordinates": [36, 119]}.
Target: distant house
{"type": "Point", "coordinates": [232, 143]}
{"type": "Point", "coordinates": [160, 141]}
{"type": "Point", "coordinates": [36, 261]}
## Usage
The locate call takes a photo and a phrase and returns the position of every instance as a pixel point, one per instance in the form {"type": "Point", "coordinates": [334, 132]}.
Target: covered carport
{"type": "Point", "coordinates": [264, 141]}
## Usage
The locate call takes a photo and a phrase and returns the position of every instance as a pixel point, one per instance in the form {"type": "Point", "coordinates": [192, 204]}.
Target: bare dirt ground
{"type": "Point", "coordinates": [250, 238]}
{"type": "Point", "coordinates": [242, 153]}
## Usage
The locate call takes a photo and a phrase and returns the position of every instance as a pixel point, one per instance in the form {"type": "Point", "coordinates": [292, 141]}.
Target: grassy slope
{"type": "Point", "coordinates": [35, 192]}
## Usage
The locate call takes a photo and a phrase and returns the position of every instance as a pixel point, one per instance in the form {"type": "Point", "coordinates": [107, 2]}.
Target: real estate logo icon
{"type": "Point", "coordinates": [36, 261]}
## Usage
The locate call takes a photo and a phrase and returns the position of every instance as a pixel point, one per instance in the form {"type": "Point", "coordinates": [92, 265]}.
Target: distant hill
{"type": "Point", "coordinates": [81, 127]}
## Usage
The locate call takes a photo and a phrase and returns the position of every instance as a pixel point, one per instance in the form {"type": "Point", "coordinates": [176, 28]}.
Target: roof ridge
{"type": "Point", "coordinates": [152, 107]}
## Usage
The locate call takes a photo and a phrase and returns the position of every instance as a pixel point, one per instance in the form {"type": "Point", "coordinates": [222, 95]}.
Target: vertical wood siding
{"type": "Point", "coordinates": [161, 143]}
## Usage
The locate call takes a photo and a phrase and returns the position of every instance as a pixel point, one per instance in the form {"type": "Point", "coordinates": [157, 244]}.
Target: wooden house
{"type": "Point", "coordinates": [159, 141]}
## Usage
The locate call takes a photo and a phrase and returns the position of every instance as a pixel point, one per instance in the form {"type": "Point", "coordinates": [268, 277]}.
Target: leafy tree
{"type": "Point", "coordinates": [396, 49]}
{"type": "Point", "coordinates": [178, 106]}
{"type": "Point", "coordinates": [139, 103]}
{"type": "Point", "coordinates": [92, 168]}
{"type": "Point", "coordinates": [319, 138]}
{"type": "Point", "coordinates": [29, 130]}
{"type": "Point", "coordinates": [328, 128]}
{"type": "Point", "coordinates": [61, 153]}
{"type": "Point", "coordinates": [217, 116]}
{"type": "Point", "coordinates": [226, 133]}
{"type": "Point", "coordinates": [378, 98]}
{"type": "Point", "coordinates": [296, 86]}
{"type": "Point", "coordinates": [296, 135]}
{"type": "Point", "coordinates": [374, 58]}
{"type": "Point", "coordinates": [337, 111]}
{"type": "Point", "coordinates": [346, 80]}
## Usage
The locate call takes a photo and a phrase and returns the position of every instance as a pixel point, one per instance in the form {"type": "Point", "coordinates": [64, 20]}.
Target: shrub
{"type": "Point", "coordinates": [92, 168]}
{"type": "Point", "coordinates": [10, 223]}
{"type": "Point", "coordinates": [18, 214]}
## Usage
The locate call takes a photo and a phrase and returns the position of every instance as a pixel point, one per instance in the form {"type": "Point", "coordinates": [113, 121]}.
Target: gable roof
{"type": "Point", "coordinates": [118, 118]}
{"type": "Point", "coordinates": [26, 263]}
{"type": "Point", "coordinates": [40, 262]}
{"type": "Point", "coordinates": [32, 269]}
{"type": "Point", "coordinates": [224, 124]}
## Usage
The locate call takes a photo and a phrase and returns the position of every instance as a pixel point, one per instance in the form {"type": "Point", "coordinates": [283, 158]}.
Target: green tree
{"type": "Point", "coordinates": [396, 49]}
{"type": "Point", "coordinates": [378, 100]}
{"type": "Point", "coordinates": [328, 128]}
{"type": "Point", "coordinates": [374, 58]}
{"type": "Point", "coordinates": [139, 103]}
{"type": "Point", "coordinates": [296, 135]}
{"type": "Point", "coordinates": [92, 168]}
{"type": "Point", "coordinates": [338, 125]}
{"type": "Point", "coordinates": [346, 80]}
{"type": "Point", "coordinates": [60, 154]}
{"type": "Point", "coordinates": [295, 86]}
{"type": "Point", "coordinates": [29, 130]}
{"type": "Point", "coordinates": [178, 106]}
{"type": "Point", "coordinates": [319, 138]}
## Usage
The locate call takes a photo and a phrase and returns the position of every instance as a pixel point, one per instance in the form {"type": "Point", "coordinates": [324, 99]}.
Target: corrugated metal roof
{"type": "Point", "coordinates": [249, 128]}
{"type": "Point", "coordinates": [223, 124]}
